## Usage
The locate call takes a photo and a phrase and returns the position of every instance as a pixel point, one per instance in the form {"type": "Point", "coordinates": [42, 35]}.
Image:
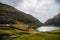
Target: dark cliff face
{"type": "Point", "coordinates": [9, 13]}
{"type": "Point", "coordinates": [54, 21]}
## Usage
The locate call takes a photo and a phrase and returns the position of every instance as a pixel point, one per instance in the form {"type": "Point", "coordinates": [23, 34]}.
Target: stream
{"type": "Point", "coordinates": [4, 36]}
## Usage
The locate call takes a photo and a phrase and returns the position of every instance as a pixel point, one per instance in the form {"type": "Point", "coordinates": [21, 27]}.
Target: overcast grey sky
{"type": "Point", "coordinates": [41, 9]}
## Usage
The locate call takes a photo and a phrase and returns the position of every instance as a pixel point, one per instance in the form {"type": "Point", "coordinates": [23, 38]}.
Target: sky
{"type": "Point", "coordinates": [40, 9]}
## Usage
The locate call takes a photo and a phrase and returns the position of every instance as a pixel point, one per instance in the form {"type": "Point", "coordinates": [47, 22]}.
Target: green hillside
{"type": "Point", "coordinates": [13, 21]}
{"type": "Point", "coordinates": [41, 36]}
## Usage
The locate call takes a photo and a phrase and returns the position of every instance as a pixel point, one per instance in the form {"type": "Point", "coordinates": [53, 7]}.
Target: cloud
{"type": "Point", "coordinates": [11, 2]}
{"type": "Point", "coordinates": [41, 9]}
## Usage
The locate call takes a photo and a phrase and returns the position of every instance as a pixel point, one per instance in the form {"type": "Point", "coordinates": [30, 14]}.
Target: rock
{"type": "Point", "coordinates": [55, 21]}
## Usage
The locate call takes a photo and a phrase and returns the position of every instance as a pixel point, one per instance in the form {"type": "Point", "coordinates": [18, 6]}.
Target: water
{"type": "Point", "coordinates": [2, 36]}
{"type": "Point", "coordinates": [47, 28]}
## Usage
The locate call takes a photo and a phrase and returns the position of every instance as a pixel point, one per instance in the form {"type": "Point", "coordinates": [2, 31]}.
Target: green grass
{"type": "Point", "coordinates": [33, 36]}
{"type": "Point", "coordinates": [11, 32]}
{"type": "Point", "coordinates": [52, 35]}
{"type": "Point", "coordinates": [39, 36]}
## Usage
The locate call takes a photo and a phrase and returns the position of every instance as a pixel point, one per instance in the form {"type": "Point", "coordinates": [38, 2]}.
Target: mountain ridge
{"type": "Point", "coordinates": [55, 21]}
{"type": "Point", "coordinates": [10, 13]}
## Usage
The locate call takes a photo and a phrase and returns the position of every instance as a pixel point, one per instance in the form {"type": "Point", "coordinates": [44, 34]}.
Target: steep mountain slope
{"type": "Point", "coordinates": [55, 21]}
{"type": "Point", "coordinates": [9, 15]}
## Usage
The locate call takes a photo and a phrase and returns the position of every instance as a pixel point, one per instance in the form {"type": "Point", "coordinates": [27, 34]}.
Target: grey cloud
{"type": "Point", "coordinates": [41, 9]}
{"type": "Point", "coordinates": [11, 2]}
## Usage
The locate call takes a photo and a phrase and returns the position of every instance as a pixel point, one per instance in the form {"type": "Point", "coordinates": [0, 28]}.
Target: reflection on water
{"type": "Point", "coordinates": [48, 28]}
{"type": "Point", "coordinates": [4, 36]}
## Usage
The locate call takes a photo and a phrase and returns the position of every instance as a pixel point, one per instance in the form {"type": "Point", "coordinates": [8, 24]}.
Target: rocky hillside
{"type": "Point", "coordinates": [55, 21]}
{"type": "Point", "coordinates": [9, 15]}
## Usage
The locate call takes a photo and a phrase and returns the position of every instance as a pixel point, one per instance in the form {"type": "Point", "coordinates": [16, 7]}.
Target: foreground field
{"type": "Point", "coordinates": [41, 36]}
{"type": "Point", "coordinates": [52, 35]}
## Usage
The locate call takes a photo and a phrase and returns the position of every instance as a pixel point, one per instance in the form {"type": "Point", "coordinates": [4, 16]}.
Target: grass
{"type": "Point", "coordinates": [10, 31]}
{"type": "Point", "coordinates": [51, 35]}
{"type": "Point", "coordinates": [40, 36]}
{"type": "Point", "coordinates": [33, 36]}
{"type": "Point", "coordinates": [36, 36]}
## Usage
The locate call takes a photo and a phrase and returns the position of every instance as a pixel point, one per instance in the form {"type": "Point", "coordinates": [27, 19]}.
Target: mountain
{"type": "Point", "coordinates": [19, 19]}
{"type": "Point", "coordinates": [55, 21]}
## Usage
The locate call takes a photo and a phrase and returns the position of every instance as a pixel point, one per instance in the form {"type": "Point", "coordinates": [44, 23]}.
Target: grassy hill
{"type": "Point", "coordinates": [11, 15]}
{"type": "Point", "coordinates": [17, 22]}
{"type": "Point", "coordinates": [51, 35]}
{"type": "Point", "coordinates": [13, 21]}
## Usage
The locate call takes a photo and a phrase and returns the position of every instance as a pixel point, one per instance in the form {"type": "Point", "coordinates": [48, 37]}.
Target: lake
{"type": "Point", "coordinates": [47, 28]}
